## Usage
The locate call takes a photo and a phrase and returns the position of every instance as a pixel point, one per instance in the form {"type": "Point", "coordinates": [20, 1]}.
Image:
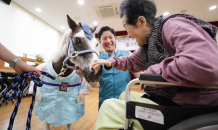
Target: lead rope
{"type": "Point", "coordinates": [20, 82]}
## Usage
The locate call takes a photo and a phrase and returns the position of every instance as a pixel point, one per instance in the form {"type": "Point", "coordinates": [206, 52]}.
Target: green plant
{"type": "Point", "coordinates": [39, 58]}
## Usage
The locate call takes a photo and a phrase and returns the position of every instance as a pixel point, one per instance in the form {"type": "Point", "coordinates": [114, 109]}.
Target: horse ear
{"type": "Point", "coordinates": [72, 24]}
{"type": "Point", "coordinates": [93, 29]}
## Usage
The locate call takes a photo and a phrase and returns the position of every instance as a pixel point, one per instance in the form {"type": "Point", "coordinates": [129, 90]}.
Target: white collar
{"type": "Point", "coordinates": [111, 54]}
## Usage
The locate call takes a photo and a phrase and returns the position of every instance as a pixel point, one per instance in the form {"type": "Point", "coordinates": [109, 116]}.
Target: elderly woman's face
{"type": "Point", "coordinates": [135, 32]}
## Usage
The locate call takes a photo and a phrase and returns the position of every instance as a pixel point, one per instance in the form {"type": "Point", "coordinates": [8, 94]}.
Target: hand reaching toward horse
{"type": "Point", "coordinates": [97, 64]}
{"type": "Point", "coordinates": [80, 98]}
{"type": "Point", "coordinates": [80, 72]}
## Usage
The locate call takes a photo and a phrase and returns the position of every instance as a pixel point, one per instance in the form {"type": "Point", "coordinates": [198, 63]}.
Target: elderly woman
{"type": "Point", "coordinates": [182, 48]}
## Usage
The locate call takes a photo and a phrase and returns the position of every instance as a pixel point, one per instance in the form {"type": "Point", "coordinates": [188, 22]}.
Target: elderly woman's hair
{"type": "Point", "coordinates": [132, 9]}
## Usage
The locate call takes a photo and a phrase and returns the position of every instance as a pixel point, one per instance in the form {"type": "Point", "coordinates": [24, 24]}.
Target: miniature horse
{"type": "Point", "coordinates": [61, 102]}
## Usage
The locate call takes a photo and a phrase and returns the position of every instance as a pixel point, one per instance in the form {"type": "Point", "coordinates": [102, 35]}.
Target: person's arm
{"type": "Point", "coordinates": [5, 54]}
{"type": "Point", "coordinates": [131, 63]}
{"type": "Point", "coordinates": [196, 55]}
{"type": "Point", "coordinates": [137, 74]}
{"type": "Point", "coordinates": [20, 66]}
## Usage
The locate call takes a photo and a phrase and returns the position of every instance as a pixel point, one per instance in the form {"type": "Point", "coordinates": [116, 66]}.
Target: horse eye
{"type": "Point", "coordinates": [77, 40]}
{"type": "Point", "coordinates": [96, 45]}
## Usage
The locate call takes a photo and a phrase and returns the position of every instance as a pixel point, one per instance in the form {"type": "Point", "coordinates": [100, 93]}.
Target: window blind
{"type": "Point", "coordinates": [21, 31]}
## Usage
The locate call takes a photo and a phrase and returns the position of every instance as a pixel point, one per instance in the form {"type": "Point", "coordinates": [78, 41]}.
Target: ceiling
{"type": "Point", "coordinates": [54, 11]}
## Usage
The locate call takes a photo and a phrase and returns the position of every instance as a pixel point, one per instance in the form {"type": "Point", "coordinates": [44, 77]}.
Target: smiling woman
{"type": "Point", "coordinates": [167, 47]}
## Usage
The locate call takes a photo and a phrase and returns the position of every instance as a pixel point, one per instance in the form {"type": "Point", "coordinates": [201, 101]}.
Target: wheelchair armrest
{"type": "Point", "coordinates": [152, 77]}
{"type": "Point", "coordinates": [158, 78]}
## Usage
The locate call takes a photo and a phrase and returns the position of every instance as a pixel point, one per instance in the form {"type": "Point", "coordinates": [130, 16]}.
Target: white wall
{"type": "Point", "coordinates": [22, 32]}
{"type": "Point", "coordinates": [99, 48]}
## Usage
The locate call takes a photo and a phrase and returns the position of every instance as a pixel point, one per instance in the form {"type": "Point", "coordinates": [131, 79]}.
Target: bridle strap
{"type": "Point", "coordinates": [71, 44]}
{"type": "Point", "coordinates": [78, 52]}
{"type": "Point", "coordinates": [73, 54]}
{"type": "Point", "coordinates": [86, 51]}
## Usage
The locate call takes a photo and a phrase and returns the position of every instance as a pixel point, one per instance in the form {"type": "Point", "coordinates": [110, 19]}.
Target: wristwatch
{"type": "Point", "coordinates": [13, 62]}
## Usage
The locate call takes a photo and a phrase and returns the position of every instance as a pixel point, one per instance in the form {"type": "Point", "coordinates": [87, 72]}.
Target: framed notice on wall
{"type": "Point", "coordinates": [125, 43]}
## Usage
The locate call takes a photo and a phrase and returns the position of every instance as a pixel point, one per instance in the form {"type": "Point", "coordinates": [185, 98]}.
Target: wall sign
{"type": "Point", "coordinates": [125, 43]}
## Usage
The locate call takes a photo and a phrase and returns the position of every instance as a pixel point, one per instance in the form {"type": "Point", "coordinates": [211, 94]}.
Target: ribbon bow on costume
{"type": "Point", "coordinates": [20, 82]}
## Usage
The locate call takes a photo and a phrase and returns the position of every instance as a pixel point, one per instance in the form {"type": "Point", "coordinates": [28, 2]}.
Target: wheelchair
{"type": "Point", "coordinates": [3, 85]}
{"type": "Point", "coordinates": [6, 80]}
{"type": "Point", "coordinates": [160, 117]}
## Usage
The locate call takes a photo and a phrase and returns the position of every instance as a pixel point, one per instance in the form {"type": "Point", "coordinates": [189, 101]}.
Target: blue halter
{"type": "Point", "coordinates": [74, 53]}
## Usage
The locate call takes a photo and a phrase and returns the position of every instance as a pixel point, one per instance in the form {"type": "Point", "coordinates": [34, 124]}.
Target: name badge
{"type": "Point", "coordinates": [63, 86]}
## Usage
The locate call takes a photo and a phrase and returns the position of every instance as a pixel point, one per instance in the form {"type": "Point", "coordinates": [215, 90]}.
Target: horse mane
{"type": "Point", "coordinates": [61, 49]}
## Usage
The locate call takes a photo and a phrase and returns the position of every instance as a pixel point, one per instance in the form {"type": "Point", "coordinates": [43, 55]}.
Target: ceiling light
{"type": "Point", "coordinates": [212, 7]}
{"type": "Point", "coordinates": [95, 23]}
{"type": "Point", "coordinates": [81, 2]}
{"type": "Point", "coordinates": [62, 27]}
{"type": "Point", "coordinates": [166, 13]}
{"type": "Point", "coordinates": [38, 10]}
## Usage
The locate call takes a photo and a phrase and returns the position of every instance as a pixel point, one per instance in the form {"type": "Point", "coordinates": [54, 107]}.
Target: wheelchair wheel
{"type": "Point", "coordinates": [203, 122]}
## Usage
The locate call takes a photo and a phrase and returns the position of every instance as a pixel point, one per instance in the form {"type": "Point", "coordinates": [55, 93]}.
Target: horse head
{"type": "Point", "coordinates": [78, 48]}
